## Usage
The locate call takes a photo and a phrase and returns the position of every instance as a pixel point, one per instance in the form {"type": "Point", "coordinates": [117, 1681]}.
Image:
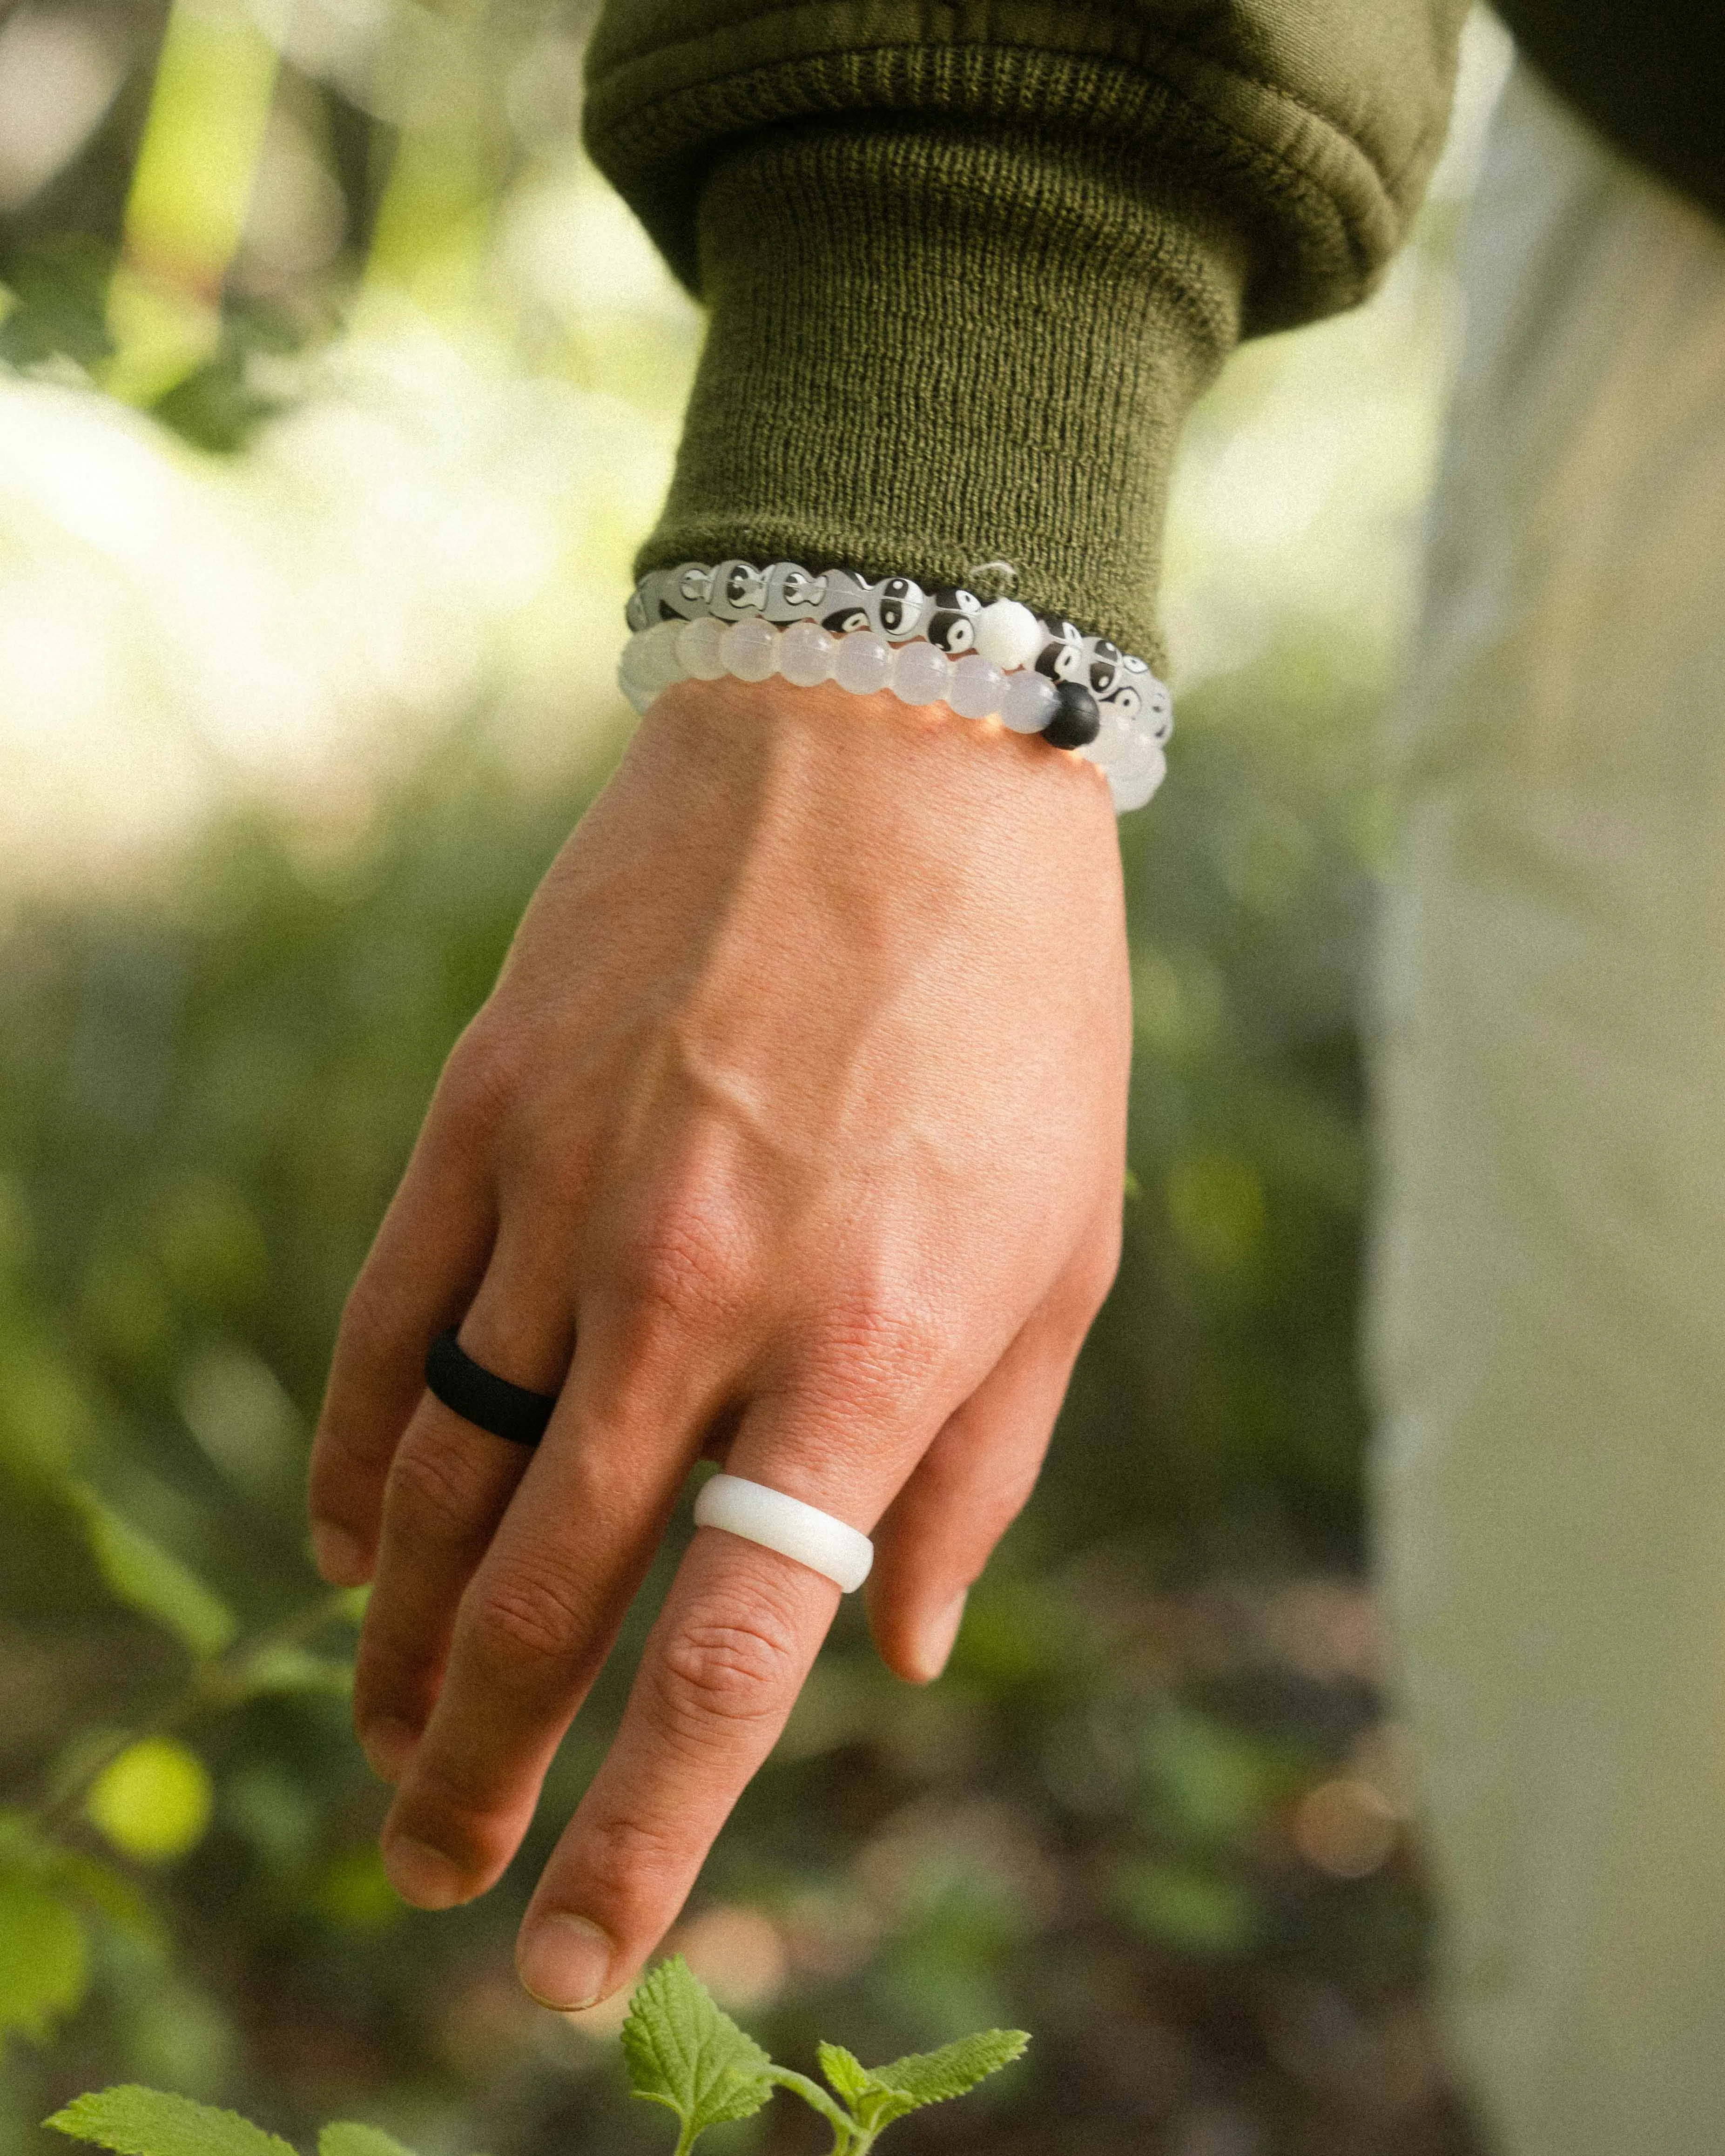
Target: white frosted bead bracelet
{"type": "Point", "coordinates": [840, 1552]}
{"type": "Point", "coordinates": [1128, 748]}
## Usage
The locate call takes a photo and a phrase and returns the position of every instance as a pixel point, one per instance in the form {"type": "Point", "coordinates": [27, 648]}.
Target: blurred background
{"type": "Point", "coordinates": [335, 392]}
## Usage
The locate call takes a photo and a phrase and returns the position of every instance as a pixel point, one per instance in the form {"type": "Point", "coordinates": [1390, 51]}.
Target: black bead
{"type": "Point", "coordinates": [1076, 721]}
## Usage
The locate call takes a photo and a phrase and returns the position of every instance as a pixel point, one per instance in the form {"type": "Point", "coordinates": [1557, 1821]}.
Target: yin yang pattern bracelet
{"type": "Point", "coordinates": [1033, 674]}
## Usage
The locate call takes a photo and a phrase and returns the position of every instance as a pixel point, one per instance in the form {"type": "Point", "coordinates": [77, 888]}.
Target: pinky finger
{"type": "Point", "coordinates": [966, 1491]}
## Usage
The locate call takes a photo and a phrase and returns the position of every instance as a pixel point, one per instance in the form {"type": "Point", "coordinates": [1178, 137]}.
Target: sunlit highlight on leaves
{"type": "Point", "coordinates": [153, 1802]}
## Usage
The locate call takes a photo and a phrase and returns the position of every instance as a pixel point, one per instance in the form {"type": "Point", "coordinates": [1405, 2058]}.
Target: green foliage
{"type": "Point", "coordinates": [48, 1892]}
{"type": "Point", "coordinates": [346, 2138]}
{"type": "Point", "coordinates": [878, 2095]}
{"type": "Point", "coordinates": [152, 1580]}
{"type": "Point", "coordinates": [681, 2048]}
{"type": "Point", "coordinates": [152, 1801]}
{"type": "Point", "coordinates": [682, 2051]}
{"type": "Point", "coordinates": [145, 2122]}
{"type": "Point", "coordinates": [44, 1957]}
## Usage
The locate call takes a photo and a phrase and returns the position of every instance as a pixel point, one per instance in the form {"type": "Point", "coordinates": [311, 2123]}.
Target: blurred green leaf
{"type": "Point", "coordinates": [343, 2138]}
{"type": "Point", "coordinates": [145, 2122]}
{"type": "Point", "coordinates": [352, 1892]}
{"type": "Point", "coordinates": [154, 1801]}
{"type": "Point", "coordinates": [44, 1957]}
{"type": "Point", "coordinates": [1191, 1909]}
{"type": "Point", "coordinates": [29, 1853]}
{"type": "Point", "coordinates": [1213, 1783]}
{"type": "Point", "coordinates": [285, 1670]}
{"type": "Point", "coordinates": [152, 1581]}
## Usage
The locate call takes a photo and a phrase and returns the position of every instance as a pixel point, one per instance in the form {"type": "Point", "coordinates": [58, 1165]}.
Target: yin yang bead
{"type": "Point", "coordinates": [1114, 733]}
{"type": "Point", "coordinates": [1134, 777]}
{"type": "Point", "coordinates": [864, 662]}
{"type": "Point", "coordinates": [806, 654]}
{"type": "Point", "coordinates": [1039, 673]}
{"type": "Point", "coordinates": [750, 648]}
{"type": "Point", "coordinates": [1008, 633]}
{"type": "Point", "coordinates": [919, 673]}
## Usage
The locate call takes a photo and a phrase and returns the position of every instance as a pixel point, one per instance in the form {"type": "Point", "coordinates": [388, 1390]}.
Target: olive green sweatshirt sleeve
{"type": "Point", "coordinates": [968, 263]}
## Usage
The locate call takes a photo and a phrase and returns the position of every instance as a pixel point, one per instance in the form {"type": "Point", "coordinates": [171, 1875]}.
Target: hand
{"type": "Point", "coordinates": [793, 1132]}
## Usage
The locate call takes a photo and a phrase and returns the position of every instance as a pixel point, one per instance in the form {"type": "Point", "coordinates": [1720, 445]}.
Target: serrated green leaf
{"type": "Point", "coordinates": [152, 1580]}
{"type": "Point", "coordinates": [683, 2052]}
{"type": "Point", "coordinates": [846, 2072]}
{"type": "Point", "coordinates": [347, 2137]}
{"type": "Point", "coordinates": [878, 2095]}
{"type": "Point", "coordinates": [44, 1957]}
{"type": "Point", "coordinates": [145, 2122]}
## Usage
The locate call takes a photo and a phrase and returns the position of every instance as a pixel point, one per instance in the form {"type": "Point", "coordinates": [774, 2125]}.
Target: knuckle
{"type": "Point", "coordinates": [435, 1491]}
{"type": "Point", "coordinates": [524, 1618]}
{"type": "Point", "coordinates": [686, 1265]}
{"type": "Point", "coordinates": [482, 1077]}
{"type": "Point", "coordinates": [728, 1664]}
{"type": "Point", "coordinates": [626, 1859]}
{"type": "Point", "coordinates": [880, 1342]}
{"type": "Point", "coordinates": [372, 1320]}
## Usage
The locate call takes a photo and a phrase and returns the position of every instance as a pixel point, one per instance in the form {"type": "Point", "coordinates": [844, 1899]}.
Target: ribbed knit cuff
{"type": "Point", "coordinates": [934, 347]}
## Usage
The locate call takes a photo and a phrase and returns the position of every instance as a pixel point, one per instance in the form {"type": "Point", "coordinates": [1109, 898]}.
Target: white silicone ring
{"type": "Point", "coordinates": [786, 1524]}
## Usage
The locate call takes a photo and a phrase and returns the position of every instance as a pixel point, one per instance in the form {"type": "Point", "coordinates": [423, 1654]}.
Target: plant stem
{"type": "Point", "coordinates": [217, 1683]}
{"type": "Point", "coordinates": [847, 2135]}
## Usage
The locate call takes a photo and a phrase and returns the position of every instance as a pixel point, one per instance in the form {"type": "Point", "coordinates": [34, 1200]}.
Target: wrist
{"type": "Point", "coordinates": [912, 794]}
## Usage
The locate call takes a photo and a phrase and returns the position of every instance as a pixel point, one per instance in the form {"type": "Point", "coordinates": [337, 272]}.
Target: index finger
{"type": "Point", "coordinates": [721, 1670]}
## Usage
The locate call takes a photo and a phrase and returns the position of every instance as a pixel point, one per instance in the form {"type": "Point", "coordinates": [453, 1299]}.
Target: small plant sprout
{"type": "Point", "coordinates": [680, 2051]}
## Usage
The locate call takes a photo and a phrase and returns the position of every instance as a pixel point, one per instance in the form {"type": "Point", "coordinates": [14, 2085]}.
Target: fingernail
{"type": "Point", "coordinates": [388, 1745]}
{"type": "Point", "coordinates": [422, 1875]}
{"type": "Point", "coordinates": [342, 1558]}
{"type": "Point", "coordinates": [934, 1650]}
{"type": "Point", "coordinates": [564, 1962]}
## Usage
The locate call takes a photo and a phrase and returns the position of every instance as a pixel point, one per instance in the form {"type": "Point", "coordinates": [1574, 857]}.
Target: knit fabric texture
{"type": "Point", "coordinates": [968, 265]}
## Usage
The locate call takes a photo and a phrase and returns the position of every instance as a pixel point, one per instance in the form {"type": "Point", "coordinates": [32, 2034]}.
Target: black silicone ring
{"type": "Point", "coordinates": [479, 1396]}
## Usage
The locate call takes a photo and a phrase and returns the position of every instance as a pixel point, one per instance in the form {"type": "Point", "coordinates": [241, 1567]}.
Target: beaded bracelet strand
{"type": "Point", "coordinates": [916, 673]}
{"type": "Point", "coordinates": [1035, 673]}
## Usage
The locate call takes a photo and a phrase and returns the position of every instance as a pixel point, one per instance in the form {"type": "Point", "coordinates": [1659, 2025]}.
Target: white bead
{"type": "Point", "coordinates": [652, 656]}
{"type": "Point", "coordinates": [831, 1546]}
{"type": "Point", "coordinates": [806, 654]}
{"type": "Point", "coordinates": [750, 648]}
{"type": "Point", "coordinates": [639, 698]}
{"type": "Point", "coordinates": [919, 673]}
{"type": "Point", "coordinates": [978, 686]}
{"type": "Point", "coordinates": [864, 662]}
{"type": "Point", "coordinates": [1136, 775]}
{"type": "Point", "coordinates": [698, 649]}
{"type": "Point", "coordinates": [1009, 634]}
{"type": "Point", "coordinates": [1114, 738]}
{"type": "Point", "coordinates": [1027, 702]}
